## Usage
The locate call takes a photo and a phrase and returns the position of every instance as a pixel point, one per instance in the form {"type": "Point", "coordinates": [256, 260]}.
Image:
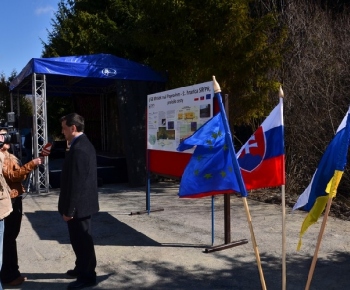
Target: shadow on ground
{"type": "Point", "coordinates": [330, 273]}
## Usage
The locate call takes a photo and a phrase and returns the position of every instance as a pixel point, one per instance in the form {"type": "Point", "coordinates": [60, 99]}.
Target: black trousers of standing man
{"type": "Point", "coordinates": [83, 247]}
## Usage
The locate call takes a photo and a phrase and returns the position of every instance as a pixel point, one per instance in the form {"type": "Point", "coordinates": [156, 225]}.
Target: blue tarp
{"type": "Point", "coordinates": [84, 71]}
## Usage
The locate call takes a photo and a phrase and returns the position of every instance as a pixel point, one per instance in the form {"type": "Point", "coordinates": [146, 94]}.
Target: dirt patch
{"type": "Point", "coordinates": [340, 206]}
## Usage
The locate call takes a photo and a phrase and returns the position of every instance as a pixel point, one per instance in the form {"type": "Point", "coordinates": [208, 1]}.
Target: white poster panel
{"type": "Point", "coordinates": [175, 114]}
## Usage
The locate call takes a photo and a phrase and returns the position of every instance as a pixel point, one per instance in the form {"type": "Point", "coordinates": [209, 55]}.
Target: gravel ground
{"type": "Point", "coordinates": [166, 249]}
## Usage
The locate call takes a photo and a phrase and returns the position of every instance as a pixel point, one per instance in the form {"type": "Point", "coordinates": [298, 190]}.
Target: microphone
{"type": "Point", "coordinates": [46, 149]}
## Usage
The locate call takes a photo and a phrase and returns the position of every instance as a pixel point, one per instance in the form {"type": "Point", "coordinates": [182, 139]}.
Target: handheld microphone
{"type": "Point", "coordinates": [46, 149]}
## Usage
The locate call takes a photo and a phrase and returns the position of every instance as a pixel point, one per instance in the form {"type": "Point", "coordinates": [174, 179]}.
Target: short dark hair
{"type": "Point", "coordinates": [74, 119]}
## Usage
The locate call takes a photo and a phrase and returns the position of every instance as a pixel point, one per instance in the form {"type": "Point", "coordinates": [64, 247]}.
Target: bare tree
{"type": "Point", "coordinates": [315, 80]}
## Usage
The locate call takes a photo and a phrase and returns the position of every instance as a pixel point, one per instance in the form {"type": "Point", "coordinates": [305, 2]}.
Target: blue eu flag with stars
{"type": "Point", "coordinates": [210, 170]}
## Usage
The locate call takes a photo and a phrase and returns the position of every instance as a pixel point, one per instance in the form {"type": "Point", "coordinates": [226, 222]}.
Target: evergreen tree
{"type": "Point", "coordinates": [190, 40]}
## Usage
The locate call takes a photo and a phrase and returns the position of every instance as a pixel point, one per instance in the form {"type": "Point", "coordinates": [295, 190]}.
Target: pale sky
{"type": "Point", "coordinates": [23, 23]}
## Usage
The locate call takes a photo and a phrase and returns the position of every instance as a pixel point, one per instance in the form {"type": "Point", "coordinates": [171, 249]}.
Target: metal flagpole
{"type": "Point", "coordinates": [212, 220]}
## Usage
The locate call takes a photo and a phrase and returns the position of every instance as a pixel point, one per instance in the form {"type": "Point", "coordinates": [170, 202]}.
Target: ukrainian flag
{"type": "Point", "coordinates": [326, 178]}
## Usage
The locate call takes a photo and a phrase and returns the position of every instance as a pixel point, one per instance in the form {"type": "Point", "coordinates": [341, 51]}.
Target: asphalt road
{"type": "Point", "coordinates": [166, 249]}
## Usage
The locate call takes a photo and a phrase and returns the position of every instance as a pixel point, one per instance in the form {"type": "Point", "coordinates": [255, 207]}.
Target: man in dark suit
{"type": "Point", "coordinates": [78, 199]}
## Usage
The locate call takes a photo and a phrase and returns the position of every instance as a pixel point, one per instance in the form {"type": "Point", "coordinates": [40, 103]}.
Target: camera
{"type": "Point", "coordinates": [10, 138]}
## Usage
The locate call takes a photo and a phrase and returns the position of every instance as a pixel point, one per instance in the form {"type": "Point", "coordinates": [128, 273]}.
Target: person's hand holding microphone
{"type": "Point", "coordinates": [44, 152]}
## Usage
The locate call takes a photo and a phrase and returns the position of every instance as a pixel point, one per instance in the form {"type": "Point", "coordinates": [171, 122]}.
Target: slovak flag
{"type": "Point", "coordinates": [261, 158]}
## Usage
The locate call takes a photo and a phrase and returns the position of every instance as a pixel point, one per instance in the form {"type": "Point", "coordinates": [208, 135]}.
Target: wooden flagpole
{"type": "Point", "coordinates": [331, 189]}
{"type": "Point", "coordinates": [255, 246]}
{"type": "Point", "coordinates": [284, 267]}
{"type": "Point", "coordinates": [320, 235]}
{"type": "Point", "coordinates": [283, 197]}
{"type": "Point", "coordinates": [217, 91]}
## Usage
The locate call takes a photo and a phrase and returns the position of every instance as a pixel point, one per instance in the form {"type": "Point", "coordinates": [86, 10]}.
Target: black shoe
{"type": "Point", "coordinates": [81, 284]}
{"type": "Point", "coordinates": [72, 273]}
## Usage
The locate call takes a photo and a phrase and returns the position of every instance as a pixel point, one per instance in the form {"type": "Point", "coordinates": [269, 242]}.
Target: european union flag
{"type": "Point", "coordinates": [210, 170]}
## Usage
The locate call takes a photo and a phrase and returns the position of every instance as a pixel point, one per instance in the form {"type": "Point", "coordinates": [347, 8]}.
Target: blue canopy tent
{"type": "Point", "coordinates": [91, 80]}
{"type": "Point", "coordinates": [74, 73]}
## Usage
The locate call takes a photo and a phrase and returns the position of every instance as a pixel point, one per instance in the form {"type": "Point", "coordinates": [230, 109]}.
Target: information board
{"type": "Point", "coordinates": [175, 114]}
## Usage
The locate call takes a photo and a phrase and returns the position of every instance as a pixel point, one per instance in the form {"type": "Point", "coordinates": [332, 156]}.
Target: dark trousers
{"type": "Point", "coordinates": [10, 268]}
{"type": "Point", "coordinates": [83, 247]}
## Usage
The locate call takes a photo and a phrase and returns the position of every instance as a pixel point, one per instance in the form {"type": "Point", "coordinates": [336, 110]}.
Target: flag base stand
{"type": "Point", "coordinates": [226, 246]}
{"type": "Point", "coordinates": [146, 211]}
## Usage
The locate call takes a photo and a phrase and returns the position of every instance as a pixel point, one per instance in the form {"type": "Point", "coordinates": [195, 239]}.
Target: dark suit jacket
{"type": "Point", "coordinates": [78, 196]}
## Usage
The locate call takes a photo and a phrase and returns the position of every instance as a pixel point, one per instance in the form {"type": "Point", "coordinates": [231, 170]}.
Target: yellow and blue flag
{"type": "Point", "coordinates": [326, 178]}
